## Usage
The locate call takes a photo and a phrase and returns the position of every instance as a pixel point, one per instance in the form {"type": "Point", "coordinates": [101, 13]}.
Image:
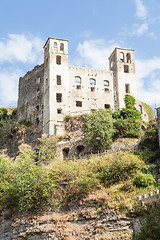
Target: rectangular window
{"type": "Point", "coordinates": [92, 89]}
{"type": "Point", "coordinates": [78, 104]}
{"type": "Point", "coordinates": [59, 97]}
{"type": "Point", "coordinates": [106, 106]}
{"type": "Point", "coordinates": [37, 107]}
{"type": "Point", "coordinates": [127, 88]}
{"type": "Point", "coordinates": [78, 87]}
{"type": "Point", "coordinates": [58, 79]}
{"type": "Point", "coordinates": [59, 111]}
{"type": "Point", "coordinates": [126, 68]}
{"type": "Point", "coordinates": [58, 60]}
{"type": "Point", "coordinates": [140, 109]}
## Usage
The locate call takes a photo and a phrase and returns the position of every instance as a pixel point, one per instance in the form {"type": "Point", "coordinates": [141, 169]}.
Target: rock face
{"type": "Point", "coordinates": [78, 223]}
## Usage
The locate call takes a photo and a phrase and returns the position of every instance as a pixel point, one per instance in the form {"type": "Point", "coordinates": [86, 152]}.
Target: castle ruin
{"type": "Point", "coordinates": [54, 89]}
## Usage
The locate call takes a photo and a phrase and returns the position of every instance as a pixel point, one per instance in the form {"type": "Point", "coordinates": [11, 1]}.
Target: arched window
{"type": "Point", "coordinates": [128, 57]}
{"type": "Point", "coordinates": [77, 79]}
{"type": "Point", "coordinates": [106, 83]}
{"type": "Point", "coordinates": [92, 81]}
{"type": "Point", "coordinates": [55, 44]}
{"type": "Point", "coordinates": [122, 57]}
{"type": "Point", "coordinates": [58, 60]}
{"type": "Point", "coordinates": [61, 47]}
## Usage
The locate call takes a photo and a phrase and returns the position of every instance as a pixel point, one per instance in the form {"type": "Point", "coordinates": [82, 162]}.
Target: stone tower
{"type": "Point", "coordinates": [121, 62]}
{"type": "Point", "coordinates": [56, 84]}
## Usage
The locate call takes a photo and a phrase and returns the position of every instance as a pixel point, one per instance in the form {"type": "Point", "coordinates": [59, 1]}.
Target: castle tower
{"type": "Point", "coordinates": [56, 84]}
{"type": "Point", "coordinates": [121, 62]}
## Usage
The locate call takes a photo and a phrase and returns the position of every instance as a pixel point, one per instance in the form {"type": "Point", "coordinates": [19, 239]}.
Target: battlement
{"type": "Point", "coordinates": [151, 198]}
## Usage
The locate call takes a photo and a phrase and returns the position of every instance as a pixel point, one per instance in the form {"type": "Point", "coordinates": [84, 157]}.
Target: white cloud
{"type": "Point", "coordinates": [94, 53]}
{"type": "Point", "coordinates": [16, 49]}
{"type": "Point", "coordinates": [9, 86]}
{"type": "Point", "coordinates": [22, 48]}
{"type": "Point", "coordinates": [147, 81]}
{"type": "Point", "coordinates": [141, 11]}
{"type": "Point", "coordinates": [139, 30]}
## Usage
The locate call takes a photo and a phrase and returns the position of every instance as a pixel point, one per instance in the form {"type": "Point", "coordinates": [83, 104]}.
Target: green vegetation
{"type": "Point", "coordinates": [150, 223]}
{"type": "Point", "coordinates": [29, 184]}
{"type": "Point", "coordinates": [99, 129]}
{"type": "Point", "coordinates": [8, 125]}
{"type": "Point", "coordinates": [148, 110]}
{"type": "Point", "coordinates": [128, 121]}
{"type": "Point", "coordinates": [67, 118]}
{"type": "Point", "coordinates": [148, 148]}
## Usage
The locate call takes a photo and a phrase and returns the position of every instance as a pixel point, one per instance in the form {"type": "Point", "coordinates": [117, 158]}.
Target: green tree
{"type": "Point", "coordinates": [128, 121]}
{"type": "Point", "coordinates": [99, 129]}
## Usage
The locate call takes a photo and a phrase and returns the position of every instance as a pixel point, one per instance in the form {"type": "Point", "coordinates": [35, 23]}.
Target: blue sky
{"type": "Point", "coordinates": [93, 28]}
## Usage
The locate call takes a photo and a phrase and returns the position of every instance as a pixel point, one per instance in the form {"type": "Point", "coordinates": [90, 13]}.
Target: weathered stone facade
{"type": "Point", "coordinates": [158, 120]}
{"type": "Point", "coordinates": [55, 89]}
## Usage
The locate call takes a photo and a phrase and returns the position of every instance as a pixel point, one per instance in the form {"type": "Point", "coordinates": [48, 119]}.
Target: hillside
{"type": "Point", "coordinates": [45, 197]}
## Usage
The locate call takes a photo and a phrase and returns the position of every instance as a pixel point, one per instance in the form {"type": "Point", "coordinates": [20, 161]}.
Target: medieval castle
{"type": "Point", "coordinates": [54, 89]}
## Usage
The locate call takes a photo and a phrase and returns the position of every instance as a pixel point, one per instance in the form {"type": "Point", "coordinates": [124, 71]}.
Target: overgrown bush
{"type": "Point", "coordinates": [143, 179]}
{"type": "Point", "coordinates": [150, 225]}
{"type": "Point", "coordinates": [148, 148]}
{"type": "Point", "coordinates": [25, 184]}
{"type": "Point", "coordinates": [128, 121]}
{"type": "Point", "coordinates": [46, 148]}
{"type": "Point", "coordinates": [99, 129]}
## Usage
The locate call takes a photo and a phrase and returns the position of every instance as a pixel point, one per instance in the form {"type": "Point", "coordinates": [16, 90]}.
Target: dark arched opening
{"type": "Point", "coordinates": [65, 152]}
{"type": "Point", "coordinates": [80, 149]}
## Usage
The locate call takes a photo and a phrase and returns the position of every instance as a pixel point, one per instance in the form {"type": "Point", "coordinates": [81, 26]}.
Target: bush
{"type": "Point", "coordinates": [143, 179]}
{"type": "Point", "coordinates": [150, 225]}
{"type": "Point", "coordinates": [46, 148]}
{"type": "Point", "coordinates": [99, 129]}
{"type": "Point", "coordinates": [25, 184]}
{"type": "Point", "coordinates": [128, 122]}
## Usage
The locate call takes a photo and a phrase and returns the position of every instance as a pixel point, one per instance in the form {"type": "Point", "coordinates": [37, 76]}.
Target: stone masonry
{"type": "Point", "coordinates": [54, 89]}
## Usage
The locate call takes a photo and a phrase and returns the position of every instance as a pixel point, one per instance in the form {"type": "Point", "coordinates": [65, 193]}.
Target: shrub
{"type": "Point", "coordinates": [150, 225]}
{"type": "Point", "coordinates": [26, 185]}
{"type": "Point", "coordinates": [46, 148]}
{"type": "Point", "coordinates": [25, 123]}
{"type": "Point", "coordinates": [67, 118]}
{"type": "Point", "coordinates": [143, 179]}
{"type": "Point", "coordinates": [99, 129]}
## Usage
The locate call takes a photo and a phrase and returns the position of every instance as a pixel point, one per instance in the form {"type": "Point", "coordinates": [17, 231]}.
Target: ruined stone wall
{"type": "Point", "coordinates": [158, 120]}
{"type": "Point", "coordinates": [30, 98]}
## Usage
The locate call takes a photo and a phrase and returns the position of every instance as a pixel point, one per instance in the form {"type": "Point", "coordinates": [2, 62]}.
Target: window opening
{"type": "Point", "coordinates": [77, 79]}
{"type": "Point", "coordinates": [38, 80]}
{"type": "Point", "coordinates": [127, 88]}
{"type": "Point", "coordinates": [122, 57]}
{"type": "Point", "coordinates": [37, 121]}
{"type": "Point", "coordinates": [55, 44]}
{"type": "Point", "coordinates": [65, 152]}
{"type": "Point", "coordinates": [58, 79]}
{"type": "Point", "coordinates": [140, 109]}
{"type": "Point", "coordinates": [106, 83]}
{"type": "Point", "coordinates": [59, 97]}
{"type": "Point", "coordinates": [80, 149]}
{"type": "Point", "coordinates": [59, 111]}
{"type": "Point", "coordinates": [92, 81]}
{"type": "Point", "coordinates": [78, 86]}
{"type": "Point", "coordinates": [61, 47]}
{"type": "Point", "coordinates": [78, 103]}
{"type": "Point", "coordinates": [126, 68]}
{"type": "Point", "coordinates": [92, 89]}
{"type": "Point", "coordinates": [106, 90]}
{"type": "Point", "coordinates": [58, 60]}
{"type": "Point", "coordinates": [37, 107]}
{"type": "Point", "coordinates": [106, 106]}
{"type": "Point", "coordinates": [128, 56]}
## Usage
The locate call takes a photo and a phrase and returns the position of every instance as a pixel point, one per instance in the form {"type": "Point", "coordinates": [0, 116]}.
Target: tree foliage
{"type": "Point", "coordinates": [128, 121]}
{"type": "Point", "coordinates": [99, 129]}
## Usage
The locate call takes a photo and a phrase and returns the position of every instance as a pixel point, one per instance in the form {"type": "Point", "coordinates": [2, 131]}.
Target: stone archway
{"type": "Point", "coordinates": [80, 149]}
{"type": "Point", "coordinates": [65, 152]}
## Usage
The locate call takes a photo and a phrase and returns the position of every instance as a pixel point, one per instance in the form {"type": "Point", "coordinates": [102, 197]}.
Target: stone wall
{"type": "Point", "coordinates": [30, 97]}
